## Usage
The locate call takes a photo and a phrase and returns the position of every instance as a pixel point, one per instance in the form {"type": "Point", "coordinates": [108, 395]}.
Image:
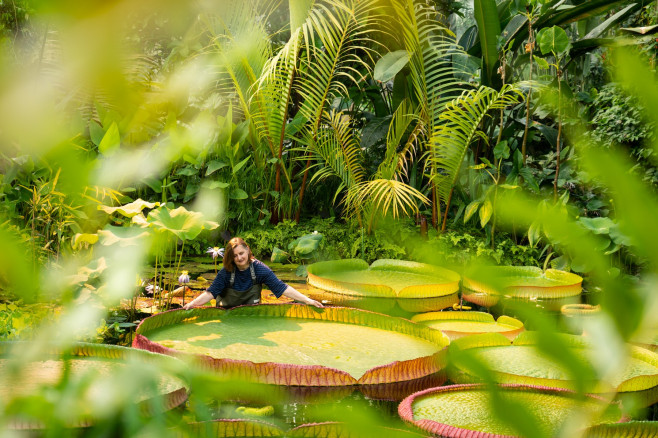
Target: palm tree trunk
{"type": "Point", "coordinates": [445, 215]}
{"type": "Point", "coordinates": [302, 189]}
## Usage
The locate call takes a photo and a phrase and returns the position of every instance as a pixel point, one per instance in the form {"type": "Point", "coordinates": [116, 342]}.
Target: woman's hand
{"type": "Point", "coordinates": [312, 302]}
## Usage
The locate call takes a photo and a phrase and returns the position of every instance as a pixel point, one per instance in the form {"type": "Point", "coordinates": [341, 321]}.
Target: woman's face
{"type": "Point", "coordinates": [241, 257]}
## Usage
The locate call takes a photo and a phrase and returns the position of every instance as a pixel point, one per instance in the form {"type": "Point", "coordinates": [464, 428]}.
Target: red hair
{"type": "Point", "coordinates": [229, 264]}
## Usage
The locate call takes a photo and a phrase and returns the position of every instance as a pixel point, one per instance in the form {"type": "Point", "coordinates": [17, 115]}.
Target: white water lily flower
{"type": "Point", "coordinates": [184, 277]}
{"type": "Point", "coordinates": [215, 252]}
{"type": "Point", "coordinates": [150, 288]}
{"type": "Point", "coordinates": [315, 232]}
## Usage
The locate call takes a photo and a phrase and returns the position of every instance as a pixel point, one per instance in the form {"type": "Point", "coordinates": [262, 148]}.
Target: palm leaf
{"type": "Point", "coordinates": [338, 38]}
{"type": "Point", "coordinates": [385, 195]}
{"type": "Point", "coordinates": [462, 117]}
{"type": "Point", "coordinates": [337, 153]}
{"type": "Point", "coordinates": [432, 48]}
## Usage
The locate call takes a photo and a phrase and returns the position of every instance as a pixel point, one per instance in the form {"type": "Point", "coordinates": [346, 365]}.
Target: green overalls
{"type": "Point", "coordinates": [232, 297]}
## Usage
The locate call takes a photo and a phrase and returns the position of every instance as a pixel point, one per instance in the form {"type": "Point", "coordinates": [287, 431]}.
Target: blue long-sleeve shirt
{"type": "Point", "coordinates": [243, 281]}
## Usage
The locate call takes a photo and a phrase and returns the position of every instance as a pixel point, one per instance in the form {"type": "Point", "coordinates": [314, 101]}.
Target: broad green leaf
{"type": "Point", "coordinates": [111, 140]}
{"type": "Point", "coordinates": [390, 65]}
{"type": "Point", "coordinates": [541, 62]}
{"type": "Point", "coordinates": [184, 224]}
{"type": "Point", "coordinates": [80, 238]}
{"type": "Point", "coordinates": [240, 165]}
{"type": "Point", "coordinates": [238, 194]}
{"type": "Point", "coordinates": [278, 255]}
{"type": "Point", "coordinates": [187, 171]}
{"type": "Point", "coordinates": [552, 40]}
{"type": "Point", "coordinates": [470, 210]}
{"type": "Point", "coordinates": [96, 132]}
{"type": "Point", "coordinates": [131, 209]}
{"type": "Point", "coordinates": [191, 189]}
{"type": "Point", "coordinates": [501, 150]}
{"type": "Point", "coordinates": [597, 225]}
{"type": "Point", "coordinates": [122, 236]}
{"type": "Point", "coordinates": [486, 211]}
{"type": "Point", "coordinates": [215, 184]}
{"type": "Point", "coordinates": [486, 17]}
{"type": "Point", "coordinates": [214, 166]}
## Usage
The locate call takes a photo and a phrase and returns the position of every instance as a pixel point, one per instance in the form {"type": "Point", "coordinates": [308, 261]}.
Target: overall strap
{"type": "Point", "coordinates": [232, 279]}
{"type": "Point", "coordinates": [253, 272]}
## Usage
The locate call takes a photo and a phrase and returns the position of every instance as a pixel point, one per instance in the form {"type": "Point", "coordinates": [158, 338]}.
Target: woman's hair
{"type": "Point", "coordinates": [228, 252]}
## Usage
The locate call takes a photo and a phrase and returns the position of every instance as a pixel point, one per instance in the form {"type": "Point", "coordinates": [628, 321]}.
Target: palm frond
{"type": "Point", "coordinates": [385, 195]}
{"type": "Point", "coordinates": [338, 37]}
{"type": "Point", "coordinates": [450, 140]}
{"type": "Point", "coordinates": [432, 49]}
{"type": "Point", "coordinates": [337, 152]}
{"type": "Point", "coordinates": [395, 163]}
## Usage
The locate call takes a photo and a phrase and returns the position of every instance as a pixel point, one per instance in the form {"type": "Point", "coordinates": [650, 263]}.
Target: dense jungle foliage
{"type": "Point", "coordinates": [512, 132]}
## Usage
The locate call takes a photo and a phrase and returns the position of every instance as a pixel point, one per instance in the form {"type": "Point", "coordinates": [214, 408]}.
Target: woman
{"type": "Point", "coordinates": [240, 281]}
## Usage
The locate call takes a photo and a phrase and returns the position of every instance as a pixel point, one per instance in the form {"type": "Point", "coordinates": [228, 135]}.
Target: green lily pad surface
{"type": "Point", "coordinates": [294, 338]}
{"type": "Point", "coordinates": [465, 410]}
{"type": "Point", "coordinates": [347, 347]}
{"type": "Point", "coordinates": [459, 324]}
{"type": "Point", "coordinates": [485, 286]}
{"type": "Point", "coordinates": [521, 362]}
{"type": "Point", "coordinates": [417, 287]}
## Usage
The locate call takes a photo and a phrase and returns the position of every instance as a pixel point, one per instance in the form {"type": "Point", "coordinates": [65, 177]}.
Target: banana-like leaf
{"type": "Point", "coordinates": [469, 410]}
{"type": "Point", "coordinates": [459, 324]}
{"type": "Point", "coordinates": [298, 345]}
{"type": "Point", "coordinates": [390, 65]}
{"type": "Point", "coordinates": [486, 17]}
{"type": "Point", "coordinates": [450, 140]}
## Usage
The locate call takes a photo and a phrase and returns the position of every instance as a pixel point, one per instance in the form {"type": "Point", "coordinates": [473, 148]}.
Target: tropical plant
{"type": "Point", "coordinates": [450, 141]}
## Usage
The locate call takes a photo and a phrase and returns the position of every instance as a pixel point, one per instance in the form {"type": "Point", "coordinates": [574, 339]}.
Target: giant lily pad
{"type": "Point", "coordinates": [486, 286]}
{"type": "Point", "coordinates": [332, 429]}
{"type": "Point", "coordinates": [89, 370]}
{"type": "Point", "coordinates": [415, 287]}
{"type": "Point", "coordinates": [466, 410]}
{"type": "Point", "coordinates": [460, 324]}
{"type": "Point", "coordinates": [233, 428]}
{"type": "Point", "coordinates": [286, 344]}
{"type": "Point", "coordinates": [632, 429]}
{"type": "Point", "coordinates": [521, 362]}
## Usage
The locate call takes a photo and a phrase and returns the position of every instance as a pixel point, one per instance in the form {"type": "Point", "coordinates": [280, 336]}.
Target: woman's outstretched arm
{"type": "Point", "coordinates": [293, 293]}
{"type": "Point", "coordinates": [200, 300]}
